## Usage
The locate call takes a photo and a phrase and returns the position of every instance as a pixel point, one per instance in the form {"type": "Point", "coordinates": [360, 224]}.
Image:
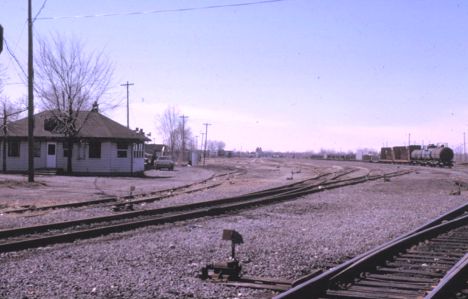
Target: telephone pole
{"type": "Point", "coordinates": [201, 143]}
{"type": "Point", "coordinates": [184, 117]}
{"type": "Point", "coordinates": [5, 140]}
{"type": "Point", "coordinates": [128, 102]}
{"type": "Point", "coordinates": [30, 97]}
{"type": "Point", "coordinates": [464, 147]}
{"type": "Point", "coordinates": [206, 141]}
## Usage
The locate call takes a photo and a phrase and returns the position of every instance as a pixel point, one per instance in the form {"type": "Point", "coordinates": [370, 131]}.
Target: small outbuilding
{"type": "Point", "coordinates": [101, 146]}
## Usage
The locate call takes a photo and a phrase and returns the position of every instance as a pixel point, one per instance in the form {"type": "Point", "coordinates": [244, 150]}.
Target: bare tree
{"type": "Point", "coordinates": [174, 130]}
{"type": "Point", "coordinates": [70, 83]}
{"type": "Point", "coordinates": [168, 125]}
{"type": "Point", "coordinates": [183, 134]}
{"type": "Point", "coordinates": [216, 146]}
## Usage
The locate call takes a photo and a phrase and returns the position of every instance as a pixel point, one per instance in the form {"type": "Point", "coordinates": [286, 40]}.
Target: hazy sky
{"type": "Point", "coordinates": [288, 75]}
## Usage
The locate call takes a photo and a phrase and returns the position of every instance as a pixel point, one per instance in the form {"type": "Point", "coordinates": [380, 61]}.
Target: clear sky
{"type": "Point", "coordinates": [291, 75]}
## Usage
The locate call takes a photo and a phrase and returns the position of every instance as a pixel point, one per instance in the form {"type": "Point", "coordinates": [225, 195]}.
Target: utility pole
{"type": "Point", "coordinates": [5, 140]}
{"type": "Point", "coordinates": [1, 38]}
{"type": "Point", "coordinates": [128, 102]}
{"type": "Point", "coordinates": [409, 139]}
{"type": "Point", "coordinates": [30, 97]}
{"type": "Point", "coordinates": [206, 141]}
{"type": "Point", "coordinates": [464, 147]}
{"type": "Point", "coordinates": [184, 117]}
{"type": "Point", "coordinates": [201, 143]}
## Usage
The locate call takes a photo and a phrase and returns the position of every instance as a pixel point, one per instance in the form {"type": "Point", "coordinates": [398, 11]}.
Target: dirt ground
{"type": "Point", "coordinates": [16, 191]}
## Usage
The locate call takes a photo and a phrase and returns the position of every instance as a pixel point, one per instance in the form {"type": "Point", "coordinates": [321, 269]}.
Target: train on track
{"type": "Point", "coordinates": [431, 155]}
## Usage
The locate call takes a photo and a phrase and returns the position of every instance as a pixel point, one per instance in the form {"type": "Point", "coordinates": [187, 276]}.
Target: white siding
{"type": "Point", "coordinates": [108, 163]}
{"type": "Point", "coordinates": [41, 161]}
{"type": "Point", "coordinates": [21, 163]}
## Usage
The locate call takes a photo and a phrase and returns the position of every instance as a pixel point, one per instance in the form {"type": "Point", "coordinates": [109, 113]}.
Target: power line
{"type": "Point", "coordinates": [19, 38]}
{"type": "Point", "coordinates": [163, 10]}
{"type": "Point", "coordinates": [14, 83]}
{"type": "Point", "coordinates": [14, 57]}
{"type": "Point", "coordinates": [40, 10]}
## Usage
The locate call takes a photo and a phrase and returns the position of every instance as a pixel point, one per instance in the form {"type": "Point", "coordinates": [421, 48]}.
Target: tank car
{"type": "Point", "coordinates": [433, 155]}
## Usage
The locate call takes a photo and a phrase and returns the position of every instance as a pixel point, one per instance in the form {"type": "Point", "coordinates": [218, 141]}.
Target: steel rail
{"type": "Point", "coordinates": [178, 216]}
{"type": "Point", "coordinates": [195, 210]}
{"type": "Point", "coordinates": [147, 197]}
{"type": "Point", "coordinates": [316, 286]}
{"type": "Point", "coordinates": [452, 282]}
{"type": "Point", "coordinates": [117, 199]}
{"type": "Point", "coordinates": [256, 193]}
{"type": "Point", "coordinates": [86, 221]}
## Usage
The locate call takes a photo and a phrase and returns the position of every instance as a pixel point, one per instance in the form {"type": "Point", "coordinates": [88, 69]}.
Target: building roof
{"type": "Point", "coordinates": [95, 125]}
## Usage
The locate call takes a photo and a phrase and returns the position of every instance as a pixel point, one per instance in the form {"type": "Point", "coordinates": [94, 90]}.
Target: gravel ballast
{"type": "Point", "coordinates": [285, 240]}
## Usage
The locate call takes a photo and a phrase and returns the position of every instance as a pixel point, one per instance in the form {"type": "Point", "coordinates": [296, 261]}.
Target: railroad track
{"type": "Point", "coordinates": [429, 261]}
{"type": "Point", "coordinates": [137, 198]}
{"type": "Point", "coordinates": [120, 203]}
{"type": "Point", "coordinates": [42, 235]}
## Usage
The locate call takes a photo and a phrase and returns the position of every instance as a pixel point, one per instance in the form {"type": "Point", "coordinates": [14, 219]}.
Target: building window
{"type": "Point", "coordinates": [122, 149]}
{"type": "Point", "coordinates": [50, 124]}
{"type": "Point", "coordinates": [51, 149]}
{"type": "Point", "coordinates": [66, 151]}
{"type": "Point", "coordinates": [95, 150]}
{"type": "Point", "coordinates": [138, 150]}
{"type": "Point", "coordinates": [37, 149]}
{"type": "Point", "coordinates": [13, 148]}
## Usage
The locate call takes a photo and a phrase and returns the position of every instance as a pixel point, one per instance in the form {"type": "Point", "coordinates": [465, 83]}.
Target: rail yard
{"type": "Point", "coordinates": [151, 237]}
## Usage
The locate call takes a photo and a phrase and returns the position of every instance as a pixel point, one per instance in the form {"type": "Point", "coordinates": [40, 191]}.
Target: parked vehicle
{"type": "Point", "coordinates": [164, 162]}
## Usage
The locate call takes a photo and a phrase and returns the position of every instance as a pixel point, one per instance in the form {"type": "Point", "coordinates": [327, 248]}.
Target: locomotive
{"type": "Point", "coordinates": [431, 155]}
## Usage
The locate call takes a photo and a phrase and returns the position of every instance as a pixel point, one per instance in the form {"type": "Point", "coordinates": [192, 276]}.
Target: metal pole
{"type": "Point", "coordinates": [30, 97]}
{"type": "Point", "coordinates": [233, 250]}
{"type": "Point", "coordinates": [128, 102]}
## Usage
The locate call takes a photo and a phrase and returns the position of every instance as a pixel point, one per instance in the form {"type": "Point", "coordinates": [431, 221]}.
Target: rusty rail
{"type": "Point", "coordinates": [28, 237]}
{"type": "Point", "coordinates": [132, 199]}
{"type": "Point", "coordinates": [383, 271]}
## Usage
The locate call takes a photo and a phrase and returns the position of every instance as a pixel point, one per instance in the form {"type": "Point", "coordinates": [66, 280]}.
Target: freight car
{"type": "Point", "coordinates": [341, 157]}
{"type": "Point", "coordinates": [432, 155]}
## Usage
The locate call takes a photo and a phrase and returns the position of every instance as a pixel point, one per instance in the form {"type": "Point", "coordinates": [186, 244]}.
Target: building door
{"type": "Point", "coordinates": [51, 155]}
